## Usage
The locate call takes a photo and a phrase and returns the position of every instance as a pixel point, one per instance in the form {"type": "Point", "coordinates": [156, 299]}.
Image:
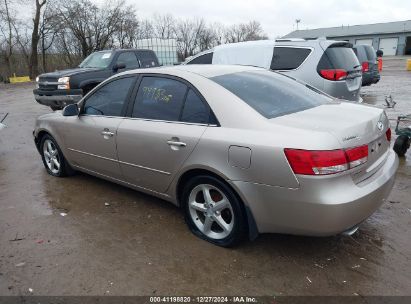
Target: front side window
{"type": "Point", "coordinates": [159, 98]}
{"type": "Point", "coordinates": [288, 58]}
{"type": "Point", "coordinates": [110, 99]}
{"type": "Point", "coordinates": [129, 59]}
{"type": "Point", "coordinates": [270, 93]}
{"type": "Point", "coordinates": [97, 60]}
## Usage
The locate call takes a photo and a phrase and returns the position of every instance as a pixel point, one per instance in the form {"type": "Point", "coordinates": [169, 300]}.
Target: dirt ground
{"type": "Point", "coordinates": [140, 245]}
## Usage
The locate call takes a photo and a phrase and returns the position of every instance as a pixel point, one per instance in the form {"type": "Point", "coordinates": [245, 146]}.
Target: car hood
{"type": "Point", "coordinates": [68, 72]}
{"type": "Point", "coordinates": [351, 124]}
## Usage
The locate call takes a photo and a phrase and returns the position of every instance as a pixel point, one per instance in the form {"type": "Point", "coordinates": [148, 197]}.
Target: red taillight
{"type": "Point", "coordinates": [365, 66]}
{"type": "Point", "coordinates": [388, 134]}
{"type": "Point", "coordinates": [357, 156]}
{"type": "Point", "coordinates": [316, 162]}
{"type": "Point", "coordinates": [334, 75]}
{"type": "Point", "coordinates": [309, 162]}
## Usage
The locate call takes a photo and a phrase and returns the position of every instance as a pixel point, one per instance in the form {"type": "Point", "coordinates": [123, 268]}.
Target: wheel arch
{"type": "Point", "coordinates": [251, 224]}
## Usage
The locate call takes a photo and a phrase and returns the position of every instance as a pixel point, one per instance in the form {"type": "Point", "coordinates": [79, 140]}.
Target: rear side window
{"type": "Point", "coordinates": [195, 110]}
{"type": "Point", "coordinates": [338, 57]}
{"type": "Point", "coordinates": [129, 59]}
{"type": "Point", "coordinates": [159, 98]}
{"type": "Point", "coordinates": [287, 58]}
{"type": "Point", "coordinates": [203, 59]}
{"type": "Point", "coordinates": [270, 93]}
{"type": "Point", "coordinates": [147, 59]}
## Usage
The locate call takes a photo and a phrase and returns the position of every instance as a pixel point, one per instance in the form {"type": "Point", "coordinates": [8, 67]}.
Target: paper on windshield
{"type": "Point", "coordinates": [106, 55]}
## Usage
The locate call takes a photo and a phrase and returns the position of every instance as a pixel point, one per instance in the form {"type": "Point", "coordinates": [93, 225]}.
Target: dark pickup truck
{"type": "Point", "coordinates": [60, 88]}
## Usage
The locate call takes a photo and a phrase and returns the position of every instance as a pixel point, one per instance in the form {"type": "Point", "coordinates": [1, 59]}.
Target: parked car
{"type": "Point", "coordinates": [328, 65]}
{"type": "Point", "coordinates": [240, 149]}
{"type": "Point", "coordinates": [368, 59]}
{"type": "Point", "coordinates": [60, 88]}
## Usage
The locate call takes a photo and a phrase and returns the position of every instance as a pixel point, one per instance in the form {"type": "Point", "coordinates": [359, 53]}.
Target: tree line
{"type": "Point", "coordinates": [61, 34]}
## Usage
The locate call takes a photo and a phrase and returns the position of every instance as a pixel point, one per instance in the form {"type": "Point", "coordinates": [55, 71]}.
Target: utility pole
{"type": "Point", "coordinates": [297, 21]}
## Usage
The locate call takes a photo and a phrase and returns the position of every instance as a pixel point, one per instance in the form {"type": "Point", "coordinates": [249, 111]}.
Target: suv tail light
{"type": "Point", "coordinates": [334, 74]}
{"type": "Point", "coordinates": [309, 162]}
{"type": "Point", "coordinates": [365, 66]}
{"type": "Point", "coordinates": [388, 134]}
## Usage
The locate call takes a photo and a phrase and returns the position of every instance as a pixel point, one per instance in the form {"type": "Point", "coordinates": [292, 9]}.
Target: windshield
{"type": "Point", "coordinates": [97, 60]}
{"type": "Point", "coordinates": [271, 94]}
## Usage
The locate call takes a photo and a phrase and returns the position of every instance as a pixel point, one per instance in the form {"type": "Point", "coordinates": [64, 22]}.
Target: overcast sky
{"type": "Point", "coordinates": [278, 17]}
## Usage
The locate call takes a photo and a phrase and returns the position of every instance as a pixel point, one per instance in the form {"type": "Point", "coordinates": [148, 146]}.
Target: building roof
{"type": "Point", "coordinates": [353, 30]}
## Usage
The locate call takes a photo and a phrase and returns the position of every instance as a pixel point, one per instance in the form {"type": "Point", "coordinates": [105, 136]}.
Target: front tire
{"type": "Point", "coordinates": [53, 158]}
{"type": "Point", "coordinates": [213, 211]}
{"type": "Point", "coordinates": [401, 145]}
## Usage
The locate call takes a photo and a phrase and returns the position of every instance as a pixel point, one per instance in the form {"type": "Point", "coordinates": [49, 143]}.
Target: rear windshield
{"type": "Point", "coordinates": [288, 58]}
{"type": "Point", "coordinates": [338, 57]}
{"type": "Point", "coordinates": [271, 94]}
{"type": "Point", "coordinates": [370, 53]}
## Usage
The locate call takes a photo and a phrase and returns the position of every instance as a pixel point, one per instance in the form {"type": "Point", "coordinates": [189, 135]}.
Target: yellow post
{"type": "Point", "coordinates": [408, 64]}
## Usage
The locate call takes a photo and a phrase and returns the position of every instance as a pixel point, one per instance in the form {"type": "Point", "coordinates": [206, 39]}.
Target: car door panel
{"type": "Point", "coordinates": [91, 143]}
{"type": "Point", "coordinates": [151, 152]}
{"type": "Point", "coordinates": [90, 138]}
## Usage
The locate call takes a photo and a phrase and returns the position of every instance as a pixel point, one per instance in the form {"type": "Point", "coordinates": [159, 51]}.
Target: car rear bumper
{"type": "Point", "coordinates": [321, 206]}
{"type": "Point", "coordinates": [57, 98]}
{"type": "Point", "coordinates": [370, 78]}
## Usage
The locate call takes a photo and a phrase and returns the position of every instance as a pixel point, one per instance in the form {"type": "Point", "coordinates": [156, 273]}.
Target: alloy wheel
{"type": "Point", "coordinates": [51, 156]}
{"type": "Point", "coordinates": [211, 211]}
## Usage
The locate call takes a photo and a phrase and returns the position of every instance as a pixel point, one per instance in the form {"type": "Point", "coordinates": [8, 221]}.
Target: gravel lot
{"type": "Point", "coordinates": [139, 245]}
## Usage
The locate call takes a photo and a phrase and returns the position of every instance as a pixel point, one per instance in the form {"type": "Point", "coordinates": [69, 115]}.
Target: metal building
{"type": "Point", "coordinates": [393, 38]}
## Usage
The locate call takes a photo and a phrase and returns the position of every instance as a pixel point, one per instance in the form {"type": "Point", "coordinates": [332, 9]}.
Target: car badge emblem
{"type": "Point", "coordinates": [380, 125]}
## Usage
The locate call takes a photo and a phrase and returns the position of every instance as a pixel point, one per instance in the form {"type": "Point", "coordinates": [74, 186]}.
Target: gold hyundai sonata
{"type": "Point", "coordinates": [240, 149]}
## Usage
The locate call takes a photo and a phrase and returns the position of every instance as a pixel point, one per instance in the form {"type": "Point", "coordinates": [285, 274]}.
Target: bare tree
{"type": "Point", "coordinates": [188, 33]}
{"type": "Point", "coordinates": [35, 37]}
{"type": "Point", "coordinates": [245, 32]}
{"type": "Point", "coordinates": [7, 30]}
{"type": "Point", "coordinates": [164, 26]}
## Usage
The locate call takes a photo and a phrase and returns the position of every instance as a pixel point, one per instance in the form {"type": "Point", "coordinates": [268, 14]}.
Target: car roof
{"type": "Point", "coordinates": [204, 70]}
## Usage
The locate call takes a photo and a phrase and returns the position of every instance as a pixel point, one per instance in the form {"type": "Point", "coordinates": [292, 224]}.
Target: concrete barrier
{"type": "Point", "coordinates": [408, 64]}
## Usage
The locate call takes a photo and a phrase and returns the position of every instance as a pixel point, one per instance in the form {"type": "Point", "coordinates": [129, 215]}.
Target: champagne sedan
{"type": "Point", "coordinates": [241, 150]}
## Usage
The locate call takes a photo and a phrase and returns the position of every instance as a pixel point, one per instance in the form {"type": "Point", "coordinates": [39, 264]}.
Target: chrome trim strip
{"type": "Point", "coordinates": [120, 162]}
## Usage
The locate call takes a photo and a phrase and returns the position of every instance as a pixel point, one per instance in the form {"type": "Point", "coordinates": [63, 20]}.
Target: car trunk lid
{"type": "Point", "coordinates": [352, 125]}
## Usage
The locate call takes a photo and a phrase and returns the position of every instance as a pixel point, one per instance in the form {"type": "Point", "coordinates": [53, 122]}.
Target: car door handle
{"type": "Point", "coordinates": [176, 143]}
{"type": "Point", "coordinates": [107, 133]}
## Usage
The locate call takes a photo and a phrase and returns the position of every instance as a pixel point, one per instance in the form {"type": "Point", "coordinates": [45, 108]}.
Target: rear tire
{"type": "Point", "coordinates": [401, 145]}
{"type": "Point", "coordinates": [213, 211]}
{"type": "Point", "coordinates": [53, 158]}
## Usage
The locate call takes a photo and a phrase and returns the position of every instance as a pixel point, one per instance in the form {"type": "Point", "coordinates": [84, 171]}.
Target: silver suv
{"type": "Point", "coordinates": [328, 65]}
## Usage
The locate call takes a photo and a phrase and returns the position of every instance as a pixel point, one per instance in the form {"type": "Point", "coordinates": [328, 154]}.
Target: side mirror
{"type": "Point", "coordinates": [71, 110]}
{"type": "Point", "coordinates": [119, 66]}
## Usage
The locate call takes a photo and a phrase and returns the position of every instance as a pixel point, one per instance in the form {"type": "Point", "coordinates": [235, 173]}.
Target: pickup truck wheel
{"type": "Point", "coordinates": [53, 158]}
